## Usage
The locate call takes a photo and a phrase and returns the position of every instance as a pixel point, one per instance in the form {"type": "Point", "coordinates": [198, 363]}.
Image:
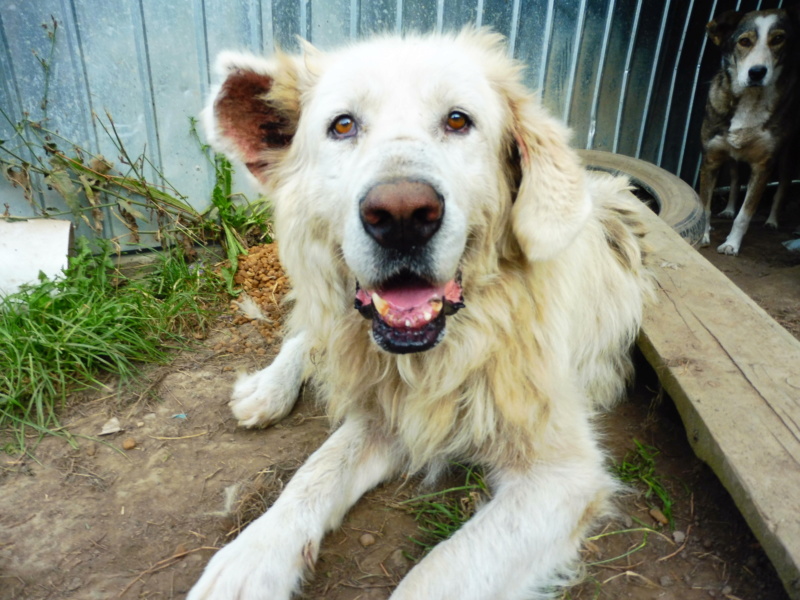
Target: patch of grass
{"type": "Point", "coordinates": [62, 335]}
{"type": "Point", "coordinates": [639, 468]}
{"type": "Point", "coordinates": [441, 514]}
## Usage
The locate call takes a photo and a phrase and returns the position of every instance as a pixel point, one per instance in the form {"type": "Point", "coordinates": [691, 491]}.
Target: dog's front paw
{"type": "Point", "coordinates": [255, 566]}
{"type": "Point", "coordinates": [262, 398]}
{"type": "Point", "coordinates": [771, 222]}
{"type": "Point", "coordinates": [706, 241]}
{"type": "Point", "coordinates": [728, 213]}
{"type": "Point", "coordinates": [728, 248]}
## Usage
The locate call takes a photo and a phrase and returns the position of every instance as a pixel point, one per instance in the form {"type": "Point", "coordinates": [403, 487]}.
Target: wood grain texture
{"type": "Point", "coordinates": [734, 375]}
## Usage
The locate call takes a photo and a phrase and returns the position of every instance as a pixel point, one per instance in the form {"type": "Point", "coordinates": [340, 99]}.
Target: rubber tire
{"type": "Point", "coordinates": [678, 204]}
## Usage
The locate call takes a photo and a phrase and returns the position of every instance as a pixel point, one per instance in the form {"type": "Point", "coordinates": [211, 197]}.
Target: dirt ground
{"type": "Point", "coordinates": [92, 520]}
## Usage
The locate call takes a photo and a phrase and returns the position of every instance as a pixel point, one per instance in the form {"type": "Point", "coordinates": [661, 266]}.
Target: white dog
{"type": "Point", "coordinates": [502, 287]}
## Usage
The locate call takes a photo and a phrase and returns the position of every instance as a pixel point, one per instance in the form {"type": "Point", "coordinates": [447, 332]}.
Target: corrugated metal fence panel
{"type": "Point", "coordinates": [628, 75]}
{"type": "Point", "coordinates": [64, 110]}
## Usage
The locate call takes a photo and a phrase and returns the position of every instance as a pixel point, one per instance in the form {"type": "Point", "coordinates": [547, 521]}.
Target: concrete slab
{"type": "Point", "coordinates": [29, 247]}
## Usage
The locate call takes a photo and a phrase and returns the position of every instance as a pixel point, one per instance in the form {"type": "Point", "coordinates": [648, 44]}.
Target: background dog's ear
{"type": "Point", "coordinates": [552, 202]}
{"type": "Point", "coordinates": [720, 29]}
{"type": "Point", "coordinates": [252, 115]}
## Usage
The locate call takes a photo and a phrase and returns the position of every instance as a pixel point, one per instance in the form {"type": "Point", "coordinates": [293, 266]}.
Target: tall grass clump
{"type": "Point", "coordinates": [639, 468]}
{"type": "Point", "coordinates": [62, 335]}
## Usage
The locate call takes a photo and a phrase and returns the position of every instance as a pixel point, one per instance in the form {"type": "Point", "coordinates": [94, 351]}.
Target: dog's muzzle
{"type": "Point", "coordinates": [407, 310]}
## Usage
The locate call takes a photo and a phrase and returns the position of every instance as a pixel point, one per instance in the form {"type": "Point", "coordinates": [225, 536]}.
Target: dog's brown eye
{"type": "Point", "coordinates": [344, 127]}
{"type": "Point", "coordinates": [777, 39]}
{"type": "Point", "coordinates": [745, 42]}
{"type": "Point", "coordinates": [457, 121]}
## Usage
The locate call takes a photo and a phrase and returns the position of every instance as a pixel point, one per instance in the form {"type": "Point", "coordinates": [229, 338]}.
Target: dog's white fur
{"type": "Point", "coordinates": [550, 260]}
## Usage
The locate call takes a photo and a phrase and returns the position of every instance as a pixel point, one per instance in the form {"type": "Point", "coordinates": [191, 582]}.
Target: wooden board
{"type": "Point", "coordinates": [734, 375]}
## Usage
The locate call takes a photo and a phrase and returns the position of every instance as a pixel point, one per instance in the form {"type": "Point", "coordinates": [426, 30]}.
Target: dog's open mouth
{"type": "Point", "coordinates": [408, 313]}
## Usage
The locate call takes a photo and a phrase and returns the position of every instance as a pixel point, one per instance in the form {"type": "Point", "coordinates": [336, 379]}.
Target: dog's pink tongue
{"type": "Point", "coordinates": [408, 307]}
{"type": "Point", "coordinates": [411, 298]}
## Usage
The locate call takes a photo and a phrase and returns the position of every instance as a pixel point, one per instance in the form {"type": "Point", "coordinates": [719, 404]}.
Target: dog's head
{"type": "Point", "coordinates": [419, 160]}
{"type": "Point", "coordinates": [756, 46]}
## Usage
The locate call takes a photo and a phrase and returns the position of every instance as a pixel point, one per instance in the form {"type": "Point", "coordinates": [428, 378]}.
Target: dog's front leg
{"type": "Point", "coordinates": [523, 542]}
{"type": "Point", "coordinates": [786, 164]}
{"type": "Point", "coordinates": [265, 397]}
{"type": "Point", "coordinates": [709, 170]}
{"type": "Point", "coordinates": [755, 190]}
{"type": "Point", "coordinates": [729, 211]}
{"type": "Point", "coordinates": [267, 560]}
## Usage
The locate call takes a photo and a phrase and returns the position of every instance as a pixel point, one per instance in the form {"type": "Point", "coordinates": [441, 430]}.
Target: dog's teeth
{"type": "Point", "coordinates": [408, 323]}
{"type": "Point", "coordinates": [380, 304]}
{"type": "Point", "coordinates": [436, 305]}
{"type": "Point", "coordinates": [427, 316]}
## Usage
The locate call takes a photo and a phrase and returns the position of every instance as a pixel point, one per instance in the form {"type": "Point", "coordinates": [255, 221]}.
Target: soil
{"type": "Point", "coordinates": [138, 513]}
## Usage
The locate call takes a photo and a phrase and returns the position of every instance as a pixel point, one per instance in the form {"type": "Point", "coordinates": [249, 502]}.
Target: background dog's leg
{"type": "Point", "coordinates": [708, 180]}
{"type": "Point", "coordinates": [267, 560]}
{"type": "Point", "coordinates": [784, 181]}
{"type": "Point", "coordinates": [526, 539]}
{"type": "Point", "coordinates": [733, 197]}
{"type": "Point", "coordinates": [755, 189]}
{"type": "Point", "coordinates": [265, 397]}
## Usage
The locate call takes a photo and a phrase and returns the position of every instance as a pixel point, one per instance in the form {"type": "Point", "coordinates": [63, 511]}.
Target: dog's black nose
{"type": "Point", "coordinates": [757, 73]}
{"type": "Point", "coordinates": [402, 214]}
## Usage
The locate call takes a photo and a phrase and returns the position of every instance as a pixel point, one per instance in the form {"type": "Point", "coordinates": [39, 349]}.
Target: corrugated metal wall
{"type": "Point", "coordinates": [629, 76]}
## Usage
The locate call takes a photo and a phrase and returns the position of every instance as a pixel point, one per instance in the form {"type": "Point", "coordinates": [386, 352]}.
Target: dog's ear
{"type": "Point", "coordinates": [552, 203]}
{"type": "Point", "coordinates": [252, 115]}
{"type": "Point", "coordinates": [720, 29]}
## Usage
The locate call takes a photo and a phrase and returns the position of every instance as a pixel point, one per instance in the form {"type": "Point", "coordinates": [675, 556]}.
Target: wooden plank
{"type": "Point", "coordinates": [734, 375]}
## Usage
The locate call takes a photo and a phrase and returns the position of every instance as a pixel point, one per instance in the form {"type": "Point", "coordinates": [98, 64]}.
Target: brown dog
{"type": "Point", "coordinates": [751, 113]}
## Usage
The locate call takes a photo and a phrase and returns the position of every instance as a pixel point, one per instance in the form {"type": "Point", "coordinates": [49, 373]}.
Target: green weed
{"type": "Point", "coordinates": [236, 220]}
{"type": "Point", "coordinates": [441, 514]}
{"type": "Point", "coordinates": [639, 468]}
{"type": "Point", "coordinates": [62, 335]}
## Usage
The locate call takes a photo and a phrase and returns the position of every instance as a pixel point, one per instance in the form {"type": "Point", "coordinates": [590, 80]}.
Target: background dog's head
{"type": "Point", "coordinates": [756, 46]}
{"type": "Point", "coordinates": [410, 161]}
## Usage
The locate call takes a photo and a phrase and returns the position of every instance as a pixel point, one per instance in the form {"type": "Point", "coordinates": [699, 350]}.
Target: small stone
{"type": "Point", "coordinates": [73, 584]}
{"type": "Point", "coordinates": [397, 562]}
{"type": "Point", "coordinates": [679, 537]}
{"type": "Point", "coordinates": [366, 540]}
{"type": "Point", "coordinates": [666, 581]}
{"type": "Point", "coordinates": [111, 426]}
{"type": "Point", "coordinates": [727, 590]}
{"type": "Point", "coordinates": [627, 521]}
{"type": "Point", "coordinates": [129, 444]}
{"type": "Point", "coordinates": [91, 449]}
